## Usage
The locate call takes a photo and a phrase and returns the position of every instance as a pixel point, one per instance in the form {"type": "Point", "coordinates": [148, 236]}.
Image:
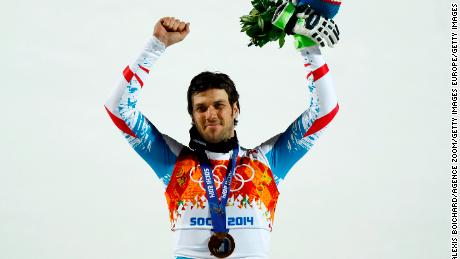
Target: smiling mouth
{"type": "Point", "coordinates": [213, 125]}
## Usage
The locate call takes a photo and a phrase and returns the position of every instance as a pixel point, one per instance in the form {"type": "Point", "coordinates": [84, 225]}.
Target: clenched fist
{"type": "Point", "coordinates": [170, 30]}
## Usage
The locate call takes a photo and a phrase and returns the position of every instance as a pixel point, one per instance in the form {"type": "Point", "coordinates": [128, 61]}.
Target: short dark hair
{"type": "Point", "coordinates": [212, 80]}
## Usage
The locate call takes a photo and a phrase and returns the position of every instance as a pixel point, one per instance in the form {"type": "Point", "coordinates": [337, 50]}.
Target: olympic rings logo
{"type": "Point", "coordinates": [218, 181]}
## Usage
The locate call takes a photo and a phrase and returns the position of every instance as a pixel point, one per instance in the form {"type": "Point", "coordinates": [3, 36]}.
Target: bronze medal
{"type": "Point", "coordinates": [221, 244]}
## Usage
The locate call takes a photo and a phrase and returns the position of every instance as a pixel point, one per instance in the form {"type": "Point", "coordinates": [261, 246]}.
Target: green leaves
{"type": "Point", "coordinates": [258, 24]}
{"type": "Point", "coordinates": [281, 40]}
{"type": "Point", "coordinates": [248, 18]}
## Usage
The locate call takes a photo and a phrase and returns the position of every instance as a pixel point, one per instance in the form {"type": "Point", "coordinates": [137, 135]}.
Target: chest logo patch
{"type": "Point", "coordinates": [237, 177]}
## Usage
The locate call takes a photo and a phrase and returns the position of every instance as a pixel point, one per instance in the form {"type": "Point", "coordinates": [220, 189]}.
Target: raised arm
{"type": "Point", "coordinates": [158, 150]}
{"type": "Point", "coordinates": [285, 149]}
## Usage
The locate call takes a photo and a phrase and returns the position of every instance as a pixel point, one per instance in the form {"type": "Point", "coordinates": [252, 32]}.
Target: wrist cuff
{"type": "Point", "coordinates": [302, 41]}
{"type": "Point", "coordinates": [155, 45]}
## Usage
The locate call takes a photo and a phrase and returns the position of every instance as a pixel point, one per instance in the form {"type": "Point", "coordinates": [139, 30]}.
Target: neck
{"type": "Point", "coordinates": [197, 143]}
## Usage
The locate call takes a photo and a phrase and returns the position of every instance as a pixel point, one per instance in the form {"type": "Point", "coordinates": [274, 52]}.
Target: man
{"type": "Point", "coordinates": [221, 197]}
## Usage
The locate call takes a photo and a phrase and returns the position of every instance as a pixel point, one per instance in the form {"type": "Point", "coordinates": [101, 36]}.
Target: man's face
{"type": "Point", "coordinates": [213, 115]}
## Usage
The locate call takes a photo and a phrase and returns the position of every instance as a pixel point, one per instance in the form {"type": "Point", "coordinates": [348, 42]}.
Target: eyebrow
{"type": "Point", "coordinates": [220, 101]}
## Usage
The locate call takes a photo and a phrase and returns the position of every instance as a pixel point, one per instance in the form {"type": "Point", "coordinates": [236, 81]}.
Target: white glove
{"type": "Point", "coordinates": [317, 28]}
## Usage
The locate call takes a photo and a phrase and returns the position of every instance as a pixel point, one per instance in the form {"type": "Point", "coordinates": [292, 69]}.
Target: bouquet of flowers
{"type": "Point", "coordinates": [258, 23]}
{"type": "Point", "coordinates": [271, 20]}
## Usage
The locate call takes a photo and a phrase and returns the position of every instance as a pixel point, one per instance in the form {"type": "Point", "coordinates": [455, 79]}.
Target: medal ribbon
{"type": "Point", "coordinates": [216, 208]}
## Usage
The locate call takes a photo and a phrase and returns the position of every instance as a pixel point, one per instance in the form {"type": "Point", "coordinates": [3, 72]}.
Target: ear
{"type": "Point", "coordinates": [193, 121]}
{"type": "Point", "coordinates": [235, 110]}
